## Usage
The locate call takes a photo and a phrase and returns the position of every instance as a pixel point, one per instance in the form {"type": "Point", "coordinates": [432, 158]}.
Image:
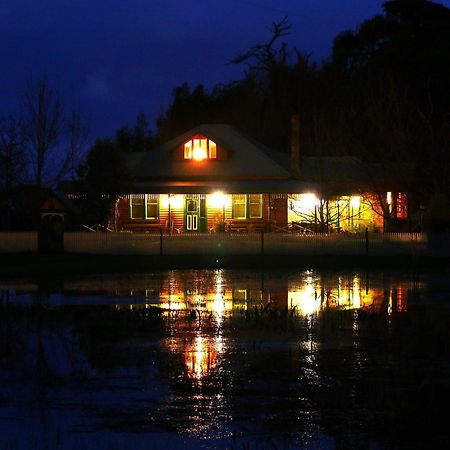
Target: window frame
{"type": "Point", "coordinates": [210, 148]}
{"type": "Point", "coordinates": [141, 204]}
{"type": "Point", "coordinates": [234, 203]}
{"type": "Point", "coordinates": [247, 202]}
{"type": "Point", "coordinates": [260, 203]}
{"type": "Point", "coordinates": [145, 200]}
{"type": "Point", "coordinates": [154, 199]}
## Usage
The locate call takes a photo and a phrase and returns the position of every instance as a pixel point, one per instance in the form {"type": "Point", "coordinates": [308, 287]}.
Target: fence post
{"type": "Point", "coordinates": [262, 242]}
{"type": "Point", "coordinates": [160, 242]}
{"type": "Point", "coordinates": [367, 241]}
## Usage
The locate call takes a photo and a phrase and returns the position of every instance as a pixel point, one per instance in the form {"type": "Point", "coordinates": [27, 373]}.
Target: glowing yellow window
{"type": "Point", "coordinates": [212, 150]}
{"type": "Point", "coordinates": [200, 149]}
{"type": "Point", "coordinates": [188, 150]}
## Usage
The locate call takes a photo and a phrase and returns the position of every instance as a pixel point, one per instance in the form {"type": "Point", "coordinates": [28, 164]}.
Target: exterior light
{"type": "Point", "coordinates": [355, 201]}
{"type": "Point", "coordinates": [175, 201]}
{"type": "Point", "coordinates": [219, 200]}
{"type": "Point", "coordinates": [308, 201]}
{"type": "Point", "coordinates": [200, 149]}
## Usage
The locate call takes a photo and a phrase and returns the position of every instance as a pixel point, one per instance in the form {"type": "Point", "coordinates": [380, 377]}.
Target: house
{"type": "Point", "coordinates": [216, 178]}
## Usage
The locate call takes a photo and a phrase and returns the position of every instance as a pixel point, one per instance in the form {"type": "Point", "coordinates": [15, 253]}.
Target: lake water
{"type": "Point", "coordinates": [226, 359]}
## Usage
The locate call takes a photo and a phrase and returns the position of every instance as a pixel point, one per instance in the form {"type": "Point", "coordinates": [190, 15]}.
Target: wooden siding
{"type": "Point", "coordinates": [125, 223]}
{"type": "Point", "coordinates": [275, 212]}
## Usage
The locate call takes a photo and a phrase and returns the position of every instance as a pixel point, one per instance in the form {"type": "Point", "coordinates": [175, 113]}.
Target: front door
{"type": "Point", "coordinates": [195, 213]}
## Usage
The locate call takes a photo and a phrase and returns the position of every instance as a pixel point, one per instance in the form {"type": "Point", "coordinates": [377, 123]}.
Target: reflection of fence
{"type": "Point", "coordinates": [377, 244]}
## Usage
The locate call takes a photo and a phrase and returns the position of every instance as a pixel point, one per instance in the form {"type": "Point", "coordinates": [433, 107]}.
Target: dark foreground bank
{"type": "Point", "coordinates": [24, 264]}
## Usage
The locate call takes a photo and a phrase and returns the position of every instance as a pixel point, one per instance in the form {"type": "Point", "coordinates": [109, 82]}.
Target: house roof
{"type": "Point", "coordinates": [250, 168]}
{"type": "Point", "coordinates": [230, 187]}
{"type": "Point", "coordinates": [248, 159]}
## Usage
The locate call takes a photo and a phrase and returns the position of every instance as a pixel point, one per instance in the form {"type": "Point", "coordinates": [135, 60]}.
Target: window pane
{"type": "Point", "coordinates": [152, 208]}
{"type": "Point", "coordinates": [137, 208]}
{"type": "Point", "coordinates": [255, 206]}
{"type": "Point", "coordinates": [191, 206]}
{"type": "Point", "coordinates": [188, 150]}
{"type": "Point", "coordinates": [239, 206]}
{"type": "Point", "coordinates": [199, 149]}
{"type": "Point", "coordinates": [212, 150]}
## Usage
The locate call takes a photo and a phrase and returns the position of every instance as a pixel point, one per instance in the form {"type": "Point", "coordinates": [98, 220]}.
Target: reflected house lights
{"type": "Point", "coordinates": [307, 299]}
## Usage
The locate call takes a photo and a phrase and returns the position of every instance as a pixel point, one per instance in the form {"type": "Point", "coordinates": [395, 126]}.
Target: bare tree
{"type": "Point", "coordinates": [77, 140]}
{"type": "Point", "coordinates": [265, 55]}
{"type": "Point", "coordinates": [12, 164]}
{"type": "Point", "coordinates": [42, 123]}
{"type": "Point", "coordinates": [382, 131]}
{"type": "Point", "coordinates": [55, 140]}
{"type": "Point", "coordinates": [12, 158]}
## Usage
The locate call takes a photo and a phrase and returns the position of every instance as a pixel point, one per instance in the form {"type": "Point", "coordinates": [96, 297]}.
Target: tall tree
{"type": "Point", "coordinates": [137, 139]}
{"type": "Point", "coordinates": [12, 158]}
{"type": "Point", "coordinates": [104, 178]}
{"type": "Point", "coordinates": [54, 138]}
{"type": "Point", "coordinates": [12, 164]}
{"type": "Point", "coordinates": [42, 124]}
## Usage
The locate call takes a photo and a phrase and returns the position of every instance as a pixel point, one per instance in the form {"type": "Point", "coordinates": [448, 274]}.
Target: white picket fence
{"type": "Point", "coordinates": [379, 244]}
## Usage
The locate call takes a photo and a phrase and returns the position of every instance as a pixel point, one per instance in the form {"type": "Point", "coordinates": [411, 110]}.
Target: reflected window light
{"type": "Point", "coordinates": [200, 357]}
{"type": "Point", "coordinates": [305, 300]}
{"type": "Point", "coordinates": [356, 297]}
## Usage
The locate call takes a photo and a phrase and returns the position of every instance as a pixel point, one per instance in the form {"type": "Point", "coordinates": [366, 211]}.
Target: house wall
{"type": "Point", "coordinates": [218, 210]}
{"type": "Point", "coordinates": [344, 213]}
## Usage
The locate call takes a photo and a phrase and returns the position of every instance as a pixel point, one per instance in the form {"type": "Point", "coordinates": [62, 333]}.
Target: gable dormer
{"type": "Point", "coordinates": [200, 148]}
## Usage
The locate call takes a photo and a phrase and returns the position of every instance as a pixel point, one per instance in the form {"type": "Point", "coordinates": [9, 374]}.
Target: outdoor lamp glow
{"type": "Point", "coordinates": [219, 200]}
{"type": "Point", "coordinates": [355, 201]}
{"type": "Point", "coordinates": [199, 151]}
{"type": "Point", "coordinates": [308, 201]}
{"type": "Point", "coordinates": [176, 201]}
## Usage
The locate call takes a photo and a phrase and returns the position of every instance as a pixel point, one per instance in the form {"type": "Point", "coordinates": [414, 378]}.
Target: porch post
{"type": "Point", "coordinates": [170, 215]}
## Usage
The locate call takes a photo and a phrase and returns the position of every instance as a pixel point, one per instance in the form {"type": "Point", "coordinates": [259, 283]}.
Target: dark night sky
{"type": "Point", "coordinates": [119, 57]}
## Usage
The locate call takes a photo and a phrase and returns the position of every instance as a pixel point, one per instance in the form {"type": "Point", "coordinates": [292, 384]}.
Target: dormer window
{"type": "Point", "coordinates": [200, 149]}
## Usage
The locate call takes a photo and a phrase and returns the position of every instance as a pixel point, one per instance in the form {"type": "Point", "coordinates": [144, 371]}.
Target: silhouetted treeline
{"type": "Point", "coordinates": [382, 95]}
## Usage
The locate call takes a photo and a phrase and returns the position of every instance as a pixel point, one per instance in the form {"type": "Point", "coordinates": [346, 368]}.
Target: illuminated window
{"type": "Point", "coordinates": [152, 207]}
{"type": "Point", "coordinates": [200, 149]}
{"type": "Point", "coordinates": [137, 207]}
{"type": "Point", "coordinates": [239, 206]}
{"type": "Point", "coordinates": [402, 206]}
{"type": "Point", "coordinates": [389, 200]}
{"type": "Point", "coordinates": [255, 206]}
{"type": "Point", "coordinates": [144, 207]}
{"type": "Point", "coordinates": [212, 150]}
{"type": "Point", "coordinates": [188, 150]}
{"type": "Point", "coordinates": [247, 206]}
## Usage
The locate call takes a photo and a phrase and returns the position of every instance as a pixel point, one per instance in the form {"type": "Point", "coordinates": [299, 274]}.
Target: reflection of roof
{"type": "Point", "coordinates": [247, 160]}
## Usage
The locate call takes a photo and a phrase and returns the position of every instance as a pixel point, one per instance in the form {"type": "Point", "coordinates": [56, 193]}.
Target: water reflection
{"type": "Point", "coordinates": [227, 359]}
{"type": "Point", "coordinates": [221, 293]}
